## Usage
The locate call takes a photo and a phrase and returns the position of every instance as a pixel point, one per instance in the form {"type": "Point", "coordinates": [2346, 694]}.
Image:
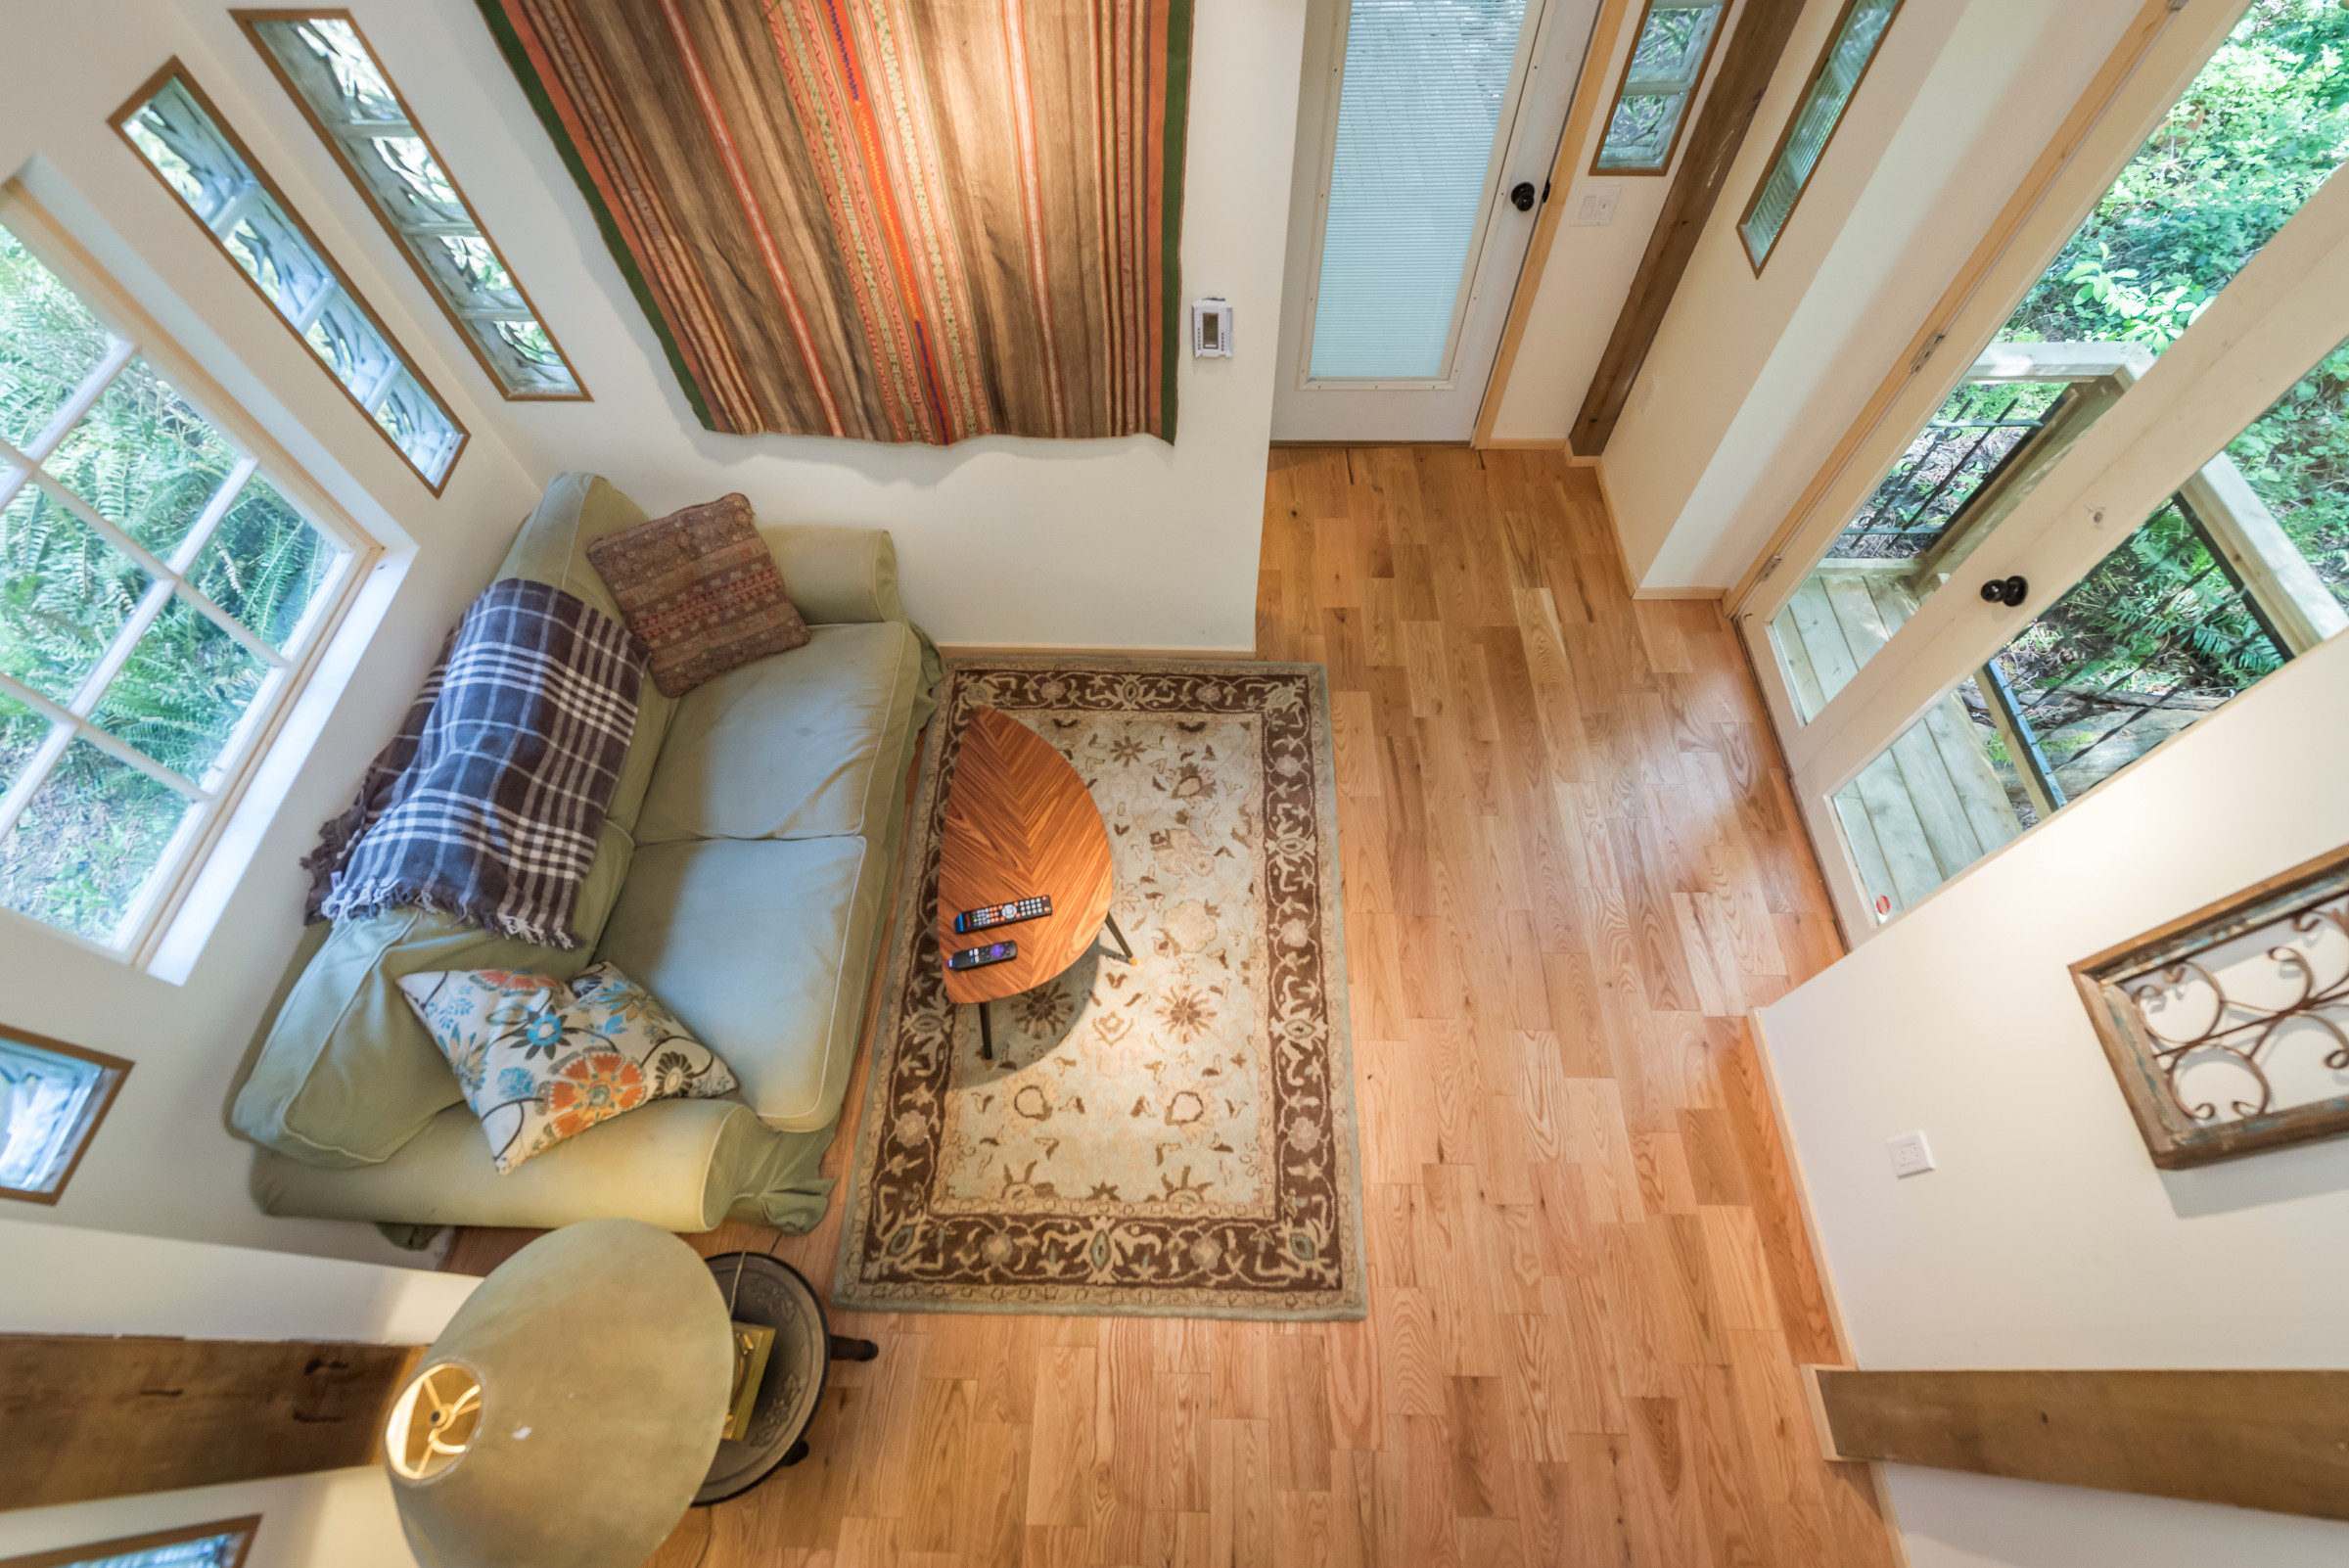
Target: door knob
{"type": "Point", "coordinates": [1521, 195]}
{"type": "Point", "coordinates": [2009, 591]}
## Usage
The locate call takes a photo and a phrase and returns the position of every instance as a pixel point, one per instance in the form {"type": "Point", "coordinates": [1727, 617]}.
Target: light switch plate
{"type": "Point", "coordinates": [1911, 1154]}
{"type": "Point", "coordinates": [1595, 204]}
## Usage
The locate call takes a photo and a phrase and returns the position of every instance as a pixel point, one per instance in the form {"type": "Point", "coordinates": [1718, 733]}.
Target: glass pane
{"type": "Point", "coordinates": [329, 67]}
{"type": "Point", "coordinates": [2245, 565]}
{"type": "Point", "coordinates": [49, 343]}
{"type": "Point", "coordinates": [1815, 120]}
{"type": "Point", "coordinates": [64, 594]}
{"type": "Point", "coordinates": [45, 1100]}
{"type": "Point", "coordinates": [144, 459]}
{"type": "Point", "coordinates": [1907, 537]}
{"type": "Point", "coordinates": [91, 837]}
{"type": "Point", "coordinates": [265, 564]}
{"type": "Point", "coordinates": [198, 160]}
{"type": "Point", "coordinates": [212, 1551]}
{"type": "Point", "coordinates": [1667, 62]}
{"type": "Point", "coordinates": [2262, 125]}
{"type": "Point", "coordinates": [1416, 117]}
{"type": "Point", "coordinates": [183, 691]}
{"type": "Point", "coordinates": [22, 731]}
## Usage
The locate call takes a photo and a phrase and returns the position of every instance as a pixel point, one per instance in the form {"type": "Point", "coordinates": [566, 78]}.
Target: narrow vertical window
{"type": "Point", "coordinates": [212, 1546]}
{"type": "Point", "coordinates": [1668, 54]}
{"type": "Point", "coordinates": [159, 595]}
{"type": "Point", "coordinates": [349, 100]}
{"type": "Point", "coordinates": [174, 126]}
{"type": "Point", "coordinates": [1851, 49]}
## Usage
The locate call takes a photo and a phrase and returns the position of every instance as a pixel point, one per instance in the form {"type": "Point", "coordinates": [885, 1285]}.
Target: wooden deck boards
{"type": "Point", "coordinates": [1570, 863]}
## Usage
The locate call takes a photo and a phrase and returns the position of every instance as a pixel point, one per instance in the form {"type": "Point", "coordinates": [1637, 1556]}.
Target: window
{"type": "Point", "coordinates": [1668, 63]}
{"type": "Point", "coordinates": [1419, 111]}
{"type": "Point", "coordinates": [1851, 49]}
{"type": "Point", "coordinates": [52, 1097]}
{"type": "Point", "coordinates": [219, 1544]}
{"type": "Point", "coordinates": [162, 585]}
{"type": "Point", "coordinates": [173, 126]}
{"type": "Point", "coordinates": [350, 100]}
{"type": "Point", "coordinates": [2234, 159]}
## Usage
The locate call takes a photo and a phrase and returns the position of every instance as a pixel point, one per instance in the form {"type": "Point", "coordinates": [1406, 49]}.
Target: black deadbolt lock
{"type": "Point", "coordinates": [1521, 195]}
{"type": "Point", "coordinates": [2009, 591]}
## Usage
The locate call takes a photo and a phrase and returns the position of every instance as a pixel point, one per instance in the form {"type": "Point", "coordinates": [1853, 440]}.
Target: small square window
{"type": "Point", "coordinates": [52, 1097]}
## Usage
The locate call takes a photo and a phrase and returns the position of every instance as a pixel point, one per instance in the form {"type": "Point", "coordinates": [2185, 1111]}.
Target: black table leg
{"type": "Point", "coordinates": [844, 1349]}
{"type": "Point", "coordinates": [1111, 922]}
{"type": "Point", "coordinates": [987, 1035]}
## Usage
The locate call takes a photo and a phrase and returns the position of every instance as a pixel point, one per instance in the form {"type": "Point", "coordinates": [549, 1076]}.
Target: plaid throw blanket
{"type": "Point", "coordinates": [487, 804]}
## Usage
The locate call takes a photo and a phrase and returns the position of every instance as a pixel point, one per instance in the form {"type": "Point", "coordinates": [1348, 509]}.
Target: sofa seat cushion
{"type": "Point", "coordinates": [347, 1071]}
{"type": "Point", "coordinates": [762, 949]}
{"type": "Point", "coordinates": [790, 746]}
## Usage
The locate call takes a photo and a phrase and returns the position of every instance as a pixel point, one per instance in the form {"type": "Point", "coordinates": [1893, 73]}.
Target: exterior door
{"type": "Point", "coordinates": [1428, 131]}
{"type": "Point", "coordinates": [2125, 511]}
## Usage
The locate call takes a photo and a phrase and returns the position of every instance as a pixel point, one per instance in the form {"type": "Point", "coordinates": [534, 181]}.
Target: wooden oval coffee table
{"type": "Point", "coordinates": [1019, 823]}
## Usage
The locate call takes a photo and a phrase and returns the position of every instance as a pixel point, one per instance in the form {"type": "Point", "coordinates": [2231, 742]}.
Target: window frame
{"type": "Point", "coordinates": [118, 121]}
{"type": "Point", "coordinates": [1794, 114]}
{"type": "Point", "coordinates": [1696, 94]}
{"type": "Point", "coordinates": [54, 247]}
{"type": "Point", "coordinates": [249, 21]}
{"type": "Point", "coordinates": [99, 1551]}
{"type": "Point", "coordinates": [116, 1068]}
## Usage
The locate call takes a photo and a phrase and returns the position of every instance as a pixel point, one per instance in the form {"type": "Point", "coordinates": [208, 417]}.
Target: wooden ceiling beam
{"type": "Point", "coordinates": [1750, 61]}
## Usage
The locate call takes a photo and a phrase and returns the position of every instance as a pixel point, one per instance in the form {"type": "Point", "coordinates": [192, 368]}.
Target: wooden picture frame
{"type": "Point", "coordinates": [2311, 899]}
{"type": "Point", "coordinates": [113, 1070]}
{"type": "Point", "coordinates": [100, 1551]}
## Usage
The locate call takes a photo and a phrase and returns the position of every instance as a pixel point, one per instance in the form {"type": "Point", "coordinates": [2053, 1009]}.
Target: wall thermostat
{"type": "Point", "coordinates": [1210, 329]}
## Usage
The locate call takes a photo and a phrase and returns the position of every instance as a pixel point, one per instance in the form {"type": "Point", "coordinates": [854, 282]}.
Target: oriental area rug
{"type": "Point", "coordinates": [1172, 1137]}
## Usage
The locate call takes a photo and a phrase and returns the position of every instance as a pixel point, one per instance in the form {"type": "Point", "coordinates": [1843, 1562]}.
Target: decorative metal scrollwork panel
{"type": "Point", "coordinates": [2230, 1028]}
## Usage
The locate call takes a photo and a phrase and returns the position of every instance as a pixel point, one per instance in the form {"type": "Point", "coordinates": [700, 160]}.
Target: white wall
{"type": "Point", "coordinates": [1128, 543]}
{"type": "Point", "coordinates": [2047, 1238]}
{"type": "Point", "coordinates": [164, 1163]}
{"type": "Point", "coordinates": [1751, 379]}
{"type": "Point", "coordinates": [65, 1280]}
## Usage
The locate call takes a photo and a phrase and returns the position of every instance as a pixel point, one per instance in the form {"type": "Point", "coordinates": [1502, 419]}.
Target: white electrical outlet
{"type": "Point", "coordinates": [1911, 1154]}
{"type": "Point", "coordinates": [1595, 205]}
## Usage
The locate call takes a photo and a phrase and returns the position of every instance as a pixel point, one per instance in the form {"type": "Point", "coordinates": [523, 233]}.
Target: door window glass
{"type": "Point", "coordinates": [1419, 112]}
{"type": "Point", "coordinates": [2261, 127]}
{"type": "Point", "coordinates": [2246, 567]}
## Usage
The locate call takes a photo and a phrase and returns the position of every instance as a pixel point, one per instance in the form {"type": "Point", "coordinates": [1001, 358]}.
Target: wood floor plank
{"type": "Point", "coordinates": [1570, 862]}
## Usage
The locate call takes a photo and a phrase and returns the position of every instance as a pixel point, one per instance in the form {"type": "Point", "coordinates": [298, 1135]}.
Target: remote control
{"type": "Point", "coordinates": [1002, 914]}
{"type": "Point", "coordinates": [995, 952]}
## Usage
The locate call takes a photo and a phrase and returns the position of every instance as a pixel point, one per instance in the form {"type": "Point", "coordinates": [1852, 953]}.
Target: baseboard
{"type": "Point", "coordinates": [1677, 594]}
{"type": "Point", "coordinates": [1312, 445]}
{"type": "Point", "coordinates": [1059, 650]}
{"type": "Point", "coordinates": [1523, 444]}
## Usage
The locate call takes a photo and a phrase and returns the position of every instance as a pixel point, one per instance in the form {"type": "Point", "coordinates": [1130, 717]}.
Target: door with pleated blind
{"type": "Point", "coordinates": [1430, 126]}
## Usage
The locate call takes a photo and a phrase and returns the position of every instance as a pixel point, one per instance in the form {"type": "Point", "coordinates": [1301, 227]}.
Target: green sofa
{"type": "Point", "coordinates": [743, 877]}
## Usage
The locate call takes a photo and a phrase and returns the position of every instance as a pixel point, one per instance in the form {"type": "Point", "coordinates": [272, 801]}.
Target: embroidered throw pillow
{"type": "Point", "coordinates": [540, 1061]}
{"type": "Point", "coordinates": [701, 588]}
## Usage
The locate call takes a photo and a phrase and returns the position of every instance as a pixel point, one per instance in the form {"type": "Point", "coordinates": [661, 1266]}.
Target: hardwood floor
{"type": "Point", "coordinates": [1571, 865]}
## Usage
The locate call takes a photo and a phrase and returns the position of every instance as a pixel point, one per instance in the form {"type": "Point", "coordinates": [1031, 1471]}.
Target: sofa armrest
{"type": "Point", "coordinates": [678, 1164]}
{"type": "Point", "coordinates": [836, 574]}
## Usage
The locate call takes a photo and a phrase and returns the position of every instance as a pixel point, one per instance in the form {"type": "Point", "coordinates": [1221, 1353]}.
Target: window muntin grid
{"type": "Point", "coordinates": [158, 594]}
{"type": "Point", "coordinates": [173, 127]}
{"type": "Point", "coordinates": [325, 62]}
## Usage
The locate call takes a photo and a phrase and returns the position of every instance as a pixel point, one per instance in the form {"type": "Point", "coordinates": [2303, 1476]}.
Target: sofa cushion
{"type": "Point", "coordinates": [790, 748]}
{"type": "Point", "coordinates": [348, 1073]}
{"type": "Point", "coordinates": [762, 949]}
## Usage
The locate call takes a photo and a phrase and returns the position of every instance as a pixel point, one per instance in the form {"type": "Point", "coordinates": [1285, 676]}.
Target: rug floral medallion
{"type": "Point", "coordinates": [1171, 1137]}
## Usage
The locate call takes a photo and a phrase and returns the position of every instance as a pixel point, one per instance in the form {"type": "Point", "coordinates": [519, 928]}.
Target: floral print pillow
{"type": "Point", "coordinates": [540, 1061]}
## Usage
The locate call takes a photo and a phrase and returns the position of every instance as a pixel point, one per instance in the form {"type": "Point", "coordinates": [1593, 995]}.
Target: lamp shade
{"type": "Point", "coordinates": [570, 1410]}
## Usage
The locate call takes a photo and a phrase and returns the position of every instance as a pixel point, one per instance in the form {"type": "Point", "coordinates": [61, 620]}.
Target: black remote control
{"type": "Point", "coordinates": [995, 952]}
{"type": "Point", "coordinates": [1002, 914]}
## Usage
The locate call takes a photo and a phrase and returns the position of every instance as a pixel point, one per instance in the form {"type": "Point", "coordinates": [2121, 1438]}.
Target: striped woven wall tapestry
{"type": "Point", "coordinates": [893, 220]}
